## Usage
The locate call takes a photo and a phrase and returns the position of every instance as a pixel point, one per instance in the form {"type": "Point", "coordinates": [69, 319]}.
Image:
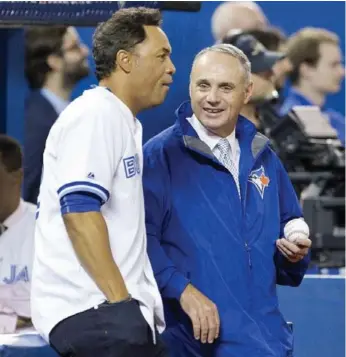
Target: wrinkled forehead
{"type": "Point", "coordinates": [217, 67]}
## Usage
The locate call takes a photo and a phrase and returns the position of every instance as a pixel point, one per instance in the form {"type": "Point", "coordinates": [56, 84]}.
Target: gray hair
{"type": "Point", "coordinates": [232, 51]}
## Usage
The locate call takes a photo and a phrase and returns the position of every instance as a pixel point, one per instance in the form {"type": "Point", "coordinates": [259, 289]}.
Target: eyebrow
{"type": "Point", "coordinates": [222, 84]}
{"type": "Point", "coordinates": [201, 81]}
{"type": "Point", "coordinates": [166, 50]}
{"type": "Point", "coordinates": [228, 84]}
{"type": "Point", "coordinates": [337, 62]}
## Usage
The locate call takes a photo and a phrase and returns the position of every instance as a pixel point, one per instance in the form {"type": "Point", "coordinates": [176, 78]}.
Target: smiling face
{"type": "Point", "coordinates": [218, 91]}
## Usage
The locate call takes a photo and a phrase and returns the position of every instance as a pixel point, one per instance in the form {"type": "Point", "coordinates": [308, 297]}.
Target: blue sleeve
{"type": "Point", "coordinates": [80, 202]}
{"type": "Point", "coordinates": [157, 212]}
{"type": "Point", "coordinates": [285, 108]}
{"type": "Point", "coordinates": [288, 273]}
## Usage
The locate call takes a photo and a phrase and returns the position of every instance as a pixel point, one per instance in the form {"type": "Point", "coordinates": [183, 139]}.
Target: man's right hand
{"type": "Point", "coordinates": [203, 314]}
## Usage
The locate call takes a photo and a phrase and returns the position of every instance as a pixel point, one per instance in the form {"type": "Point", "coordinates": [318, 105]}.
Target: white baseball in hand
{"type": "Point", "coordinates": [296, 229]}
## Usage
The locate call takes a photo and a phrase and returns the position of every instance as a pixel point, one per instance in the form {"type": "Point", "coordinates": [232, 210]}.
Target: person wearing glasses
{"type": "Point", "coordinates": [55, 61]}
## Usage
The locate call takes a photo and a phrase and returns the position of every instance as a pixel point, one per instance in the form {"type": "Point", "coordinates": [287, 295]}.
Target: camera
{"type": "Point", "coordinates": [315, 160]}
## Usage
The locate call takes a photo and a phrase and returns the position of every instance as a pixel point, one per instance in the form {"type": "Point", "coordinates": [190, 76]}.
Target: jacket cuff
{"type": "Point", "coordinates": [175, 286]}
{"type": "Point", "coordinates": [298, 267]}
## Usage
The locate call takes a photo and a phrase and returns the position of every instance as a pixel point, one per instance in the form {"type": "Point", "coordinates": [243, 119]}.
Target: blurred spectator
{"type": "Point", "coordinates": [17, 222]}
{"type": "Point", "coordinates": [262, 64]}
{"type": "Point", "coordinates": [275, 40]}
{"type": "Point", "coordinates": [55, 60]}
{"type": "Point", "coordinates": [317, 71]}
{"type": "Point", "coordinates": [245, 15]}
{"type": "Point", "coordinates": [271, 38]}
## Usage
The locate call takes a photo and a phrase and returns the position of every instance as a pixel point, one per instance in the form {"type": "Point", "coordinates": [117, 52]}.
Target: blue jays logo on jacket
{"type": "Point", "coordinates": [259, 179]}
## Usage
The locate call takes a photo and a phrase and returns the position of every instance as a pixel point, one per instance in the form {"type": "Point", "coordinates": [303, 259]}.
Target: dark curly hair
{"type": "Point", "coordinates": [123, 31]}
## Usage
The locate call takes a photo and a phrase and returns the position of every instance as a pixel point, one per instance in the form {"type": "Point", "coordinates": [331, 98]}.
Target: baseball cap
{"type": "Point", "coordinates": [260, 58]}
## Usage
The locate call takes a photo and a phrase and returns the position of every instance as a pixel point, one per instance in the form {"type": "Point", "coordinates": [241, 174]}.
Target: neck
{"type": "Point", "coordinates": [224, 133]}
{"type": "Point", "coordinates": [249, 112]}
{"type": "Point", "coordinates": [10, 206]}
{"type": "Point", "coordinates": [119, 87]}
{"type": "Point", "coordinates": [54, 83]}
{"type": "Point", "coordinates": [313, 95]}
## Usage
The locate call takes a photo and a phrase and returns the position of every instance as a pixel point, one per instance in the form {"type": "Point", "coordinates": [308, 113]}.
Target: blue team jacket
{"type": "Point", "coordinates": [200, 232]}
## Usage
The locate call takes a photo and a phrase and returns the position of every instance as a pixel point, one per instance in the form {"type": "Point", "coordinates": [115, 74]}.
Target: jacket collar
{"type": "Point", "coordinates": [245, 132]}
{"type": "Point", "coordinates": [300, 99]}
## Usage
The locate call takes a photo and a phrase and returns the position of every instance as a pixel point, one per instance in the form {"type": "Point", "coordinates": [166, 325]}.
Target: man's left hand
{"type": "Point", "coordinates": [296, 251]}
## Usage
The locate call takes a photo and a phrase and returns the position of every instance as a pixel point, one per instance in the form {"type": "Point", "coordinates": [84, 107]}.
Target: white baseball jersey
{"type": "Point", "coordinates": [17, 245]}
{"type": "Point", "coordinates": [16, 257]}
{"type": "Point", "coordinates": [94, 146]}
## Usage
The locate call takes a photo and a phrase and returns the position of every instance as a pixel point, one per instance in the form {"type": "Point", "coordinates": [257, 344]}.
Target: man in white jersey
{"type": "Point", "coordinates": [93, 291]}
{"type": "Point", "coordinates": [17, 224]}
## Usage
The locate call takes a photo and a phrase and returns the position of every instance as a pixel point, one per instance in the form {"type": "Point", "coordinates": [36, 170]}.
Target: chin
{"type": "Point", "coordinates": [335, 89]}
{"type": "Point", "coordinates": [155, 102]}
{"type": "Point", "coordinates": [213, 125]}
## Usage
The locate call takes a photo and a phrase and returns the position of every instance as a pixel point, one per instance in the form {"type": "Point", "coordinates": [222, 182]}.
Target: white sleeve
{"type": "Point", "coordinates": [88, 153]}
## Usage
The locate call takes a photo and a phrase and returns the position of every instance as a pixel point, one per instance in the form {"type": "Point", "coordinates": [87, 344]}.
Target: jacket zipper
{"type": "Point", "coordinates": [248, 249]}
{"type": "Point", "coordinates": [247, 246]}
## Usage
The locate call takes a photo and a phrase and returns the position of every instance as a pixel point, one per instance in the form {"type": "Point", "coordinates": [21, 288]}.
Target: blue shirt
{"type": "Point", "coordinates": [336, 119]}
{"type": "Point", "coordinates": [57, 103]}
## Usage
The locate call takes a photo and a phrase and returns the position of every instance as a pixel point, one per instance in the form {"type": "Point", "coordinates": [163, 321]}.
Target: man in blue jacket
{"type": "Point", "coordinates": [217, 200]}
{"type": "Point", "coordinates": [317, 72]}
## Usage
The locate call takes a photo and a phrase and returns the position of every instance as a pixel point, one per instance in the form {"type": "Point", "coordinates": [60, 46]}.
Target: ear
{"type": "Point", "coordinates": [125, 60]}
{"type": "Point", "coordinates": [55, 62]}
{"type": "Point", "coordinates": [305, 70]}
{"type": "Point", "coordinates": [248, 92]}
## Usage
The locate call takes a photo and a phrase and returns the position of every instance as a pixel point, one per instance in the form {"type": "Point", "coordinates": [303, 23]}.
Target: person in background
{"type": "Point", "coordinates": [274, 40]}
{"type": "Point", "coordinates": [218, 202]}
{"type": "Point", "coordinates": [55, 61]}
{"type": "Point", "coordinates": [262, 70]}
{"type": "Point", "coordinates": [317, 72]}
{"type": "Point", "coordinates": [17, 223]}
{"type": "Point", "coordinates": [243, 15]}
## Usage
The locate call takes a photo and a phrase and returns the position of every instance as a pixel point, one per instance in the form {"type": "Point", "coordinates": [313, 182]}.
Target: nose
{"type": "Point", "coordinates": [170, 68]}
{"type": "Point", "coordinates": [85, 50]}
{"type": "Point", "coordinates": [213, 97]}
